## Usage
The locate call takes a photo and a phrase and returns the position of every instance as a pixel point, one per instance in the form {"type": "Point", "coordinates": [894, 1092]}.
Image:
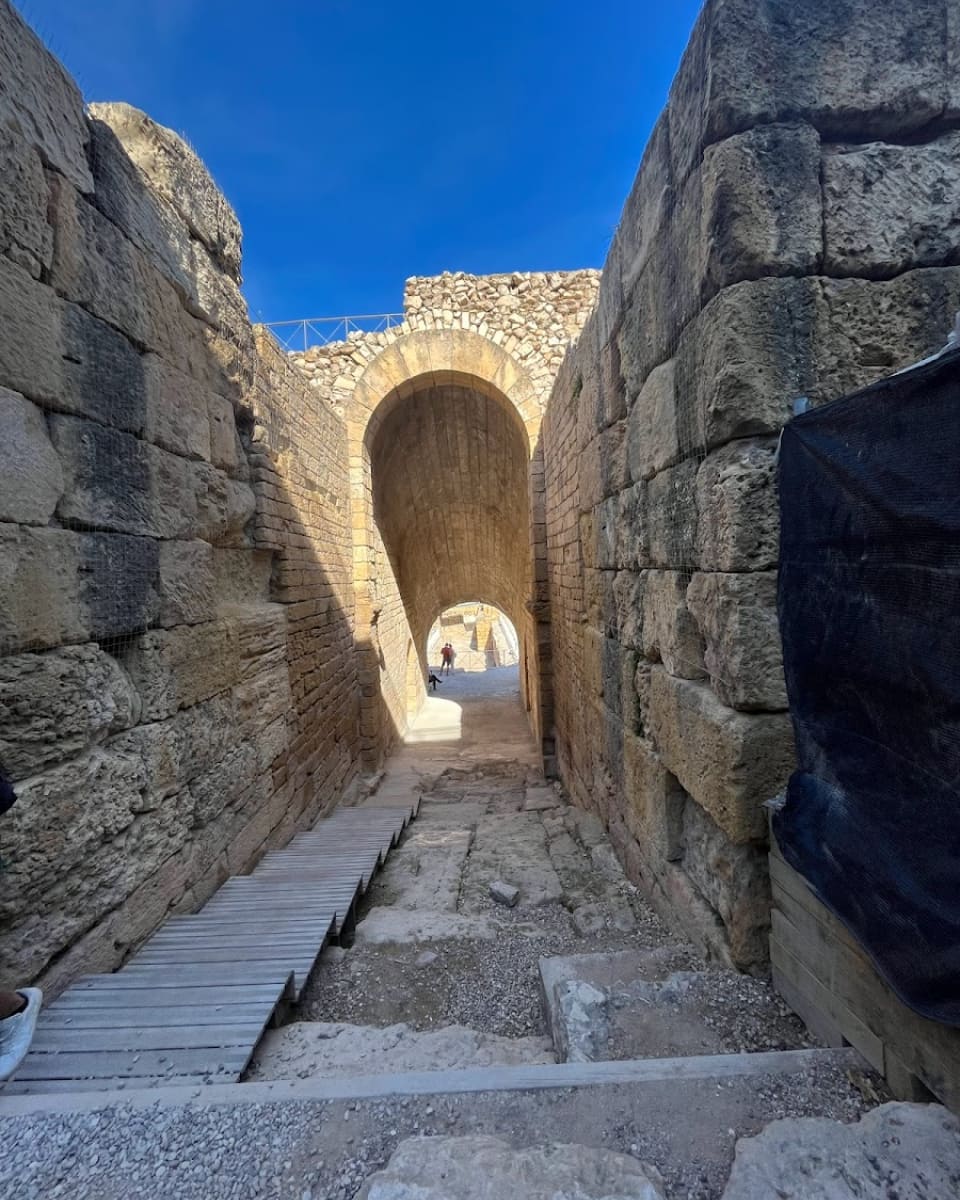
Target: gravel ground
{"type": "Point", "coordinates": [324, 1151]}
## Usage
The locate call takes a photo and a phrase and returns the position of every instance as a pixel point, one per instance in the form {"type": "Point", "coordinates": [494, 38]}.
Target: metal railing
{"type": "Point", "coordinates": [321, 331]}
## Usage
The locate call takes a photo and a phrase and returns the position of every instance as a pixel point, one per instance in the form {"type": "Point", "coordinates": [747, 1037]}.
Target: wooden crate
{"type": "Point", "coordinates": [826, 978]}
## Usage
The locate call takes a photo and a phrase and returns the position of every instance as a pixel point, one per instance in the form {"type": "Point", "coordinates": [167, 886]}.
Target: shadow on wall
{"type": "Point", "coordinates": [178, 686]}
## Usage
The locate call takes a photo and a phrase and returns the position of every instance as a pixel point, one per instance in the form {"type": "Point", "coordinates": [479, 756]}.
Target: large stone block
{"type": "Point", "coordinates": [838, 66]}
{"type": "Point", "coordinates": [762, 210]}
{"type": "Point", "coordinates": [176, 668]}
{"type": "Point", "coordinates": [187, 582]}
{"type": "Point", "coordinates": [737, 507]}
{"type": "Point", "coordinates": [176, 173]}
{"type": "Point", "coordinates": [747, 357]}
{"type": "Point", "coordinates": [118, 583]}
{"type": "Point", "coordinates": [626, 618]}
{"type": "Point", "coordinates": [737, 615]}
{"type": "Point", "coordinates": [26, 236]}
{"type": "Point", "coordinates": [729, 762]}
{"type": "Point", "coordinates": [670, 634]}
{"type": "Point", "coordinates": [57, 705]}
{"type": "Point", "coordinates": [735, 882]}
{"type": "Point", "coordinates": [654, 802]}
{"type": "Point", "coordinates": [30, 325]}
{"type": "Point", "coordinates": [672, 516]}
{"type": "Point", "coordinates": [226, 450]}
{"type": "Point", "coordinates": [40, 591]}
{"type": "Point", "coordinates": [144, 216]}
{"type": "Point", "coordinates": [31, 480]}
{"type": "Point", "coordinates": [633, 528]}
{"type": "Point", "coordinates": [644, 213]}
{"type": "Point", "coordinates": [654, 437]}
{"type": "Point", "coordinates": [888, 209]}
{"type": "Point", "coordinates": [177, 414]}
{"type": "Point", "coordinates": [40, 99]}
{"type": "Point", "coordinates": [866, 330]}
{"type": "Point", "coordinates": [63, 816]}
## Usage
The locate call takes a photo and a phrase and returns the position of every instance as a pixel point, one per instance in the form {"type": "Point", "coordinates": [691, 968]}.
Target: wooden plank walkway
{"type": "Point", "coordinates": [191, 1004]}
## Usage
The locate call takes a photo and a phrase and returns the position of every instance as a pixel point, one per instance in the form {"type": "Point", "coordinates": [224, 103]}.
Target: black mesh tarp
{"type": "Point", "coordinates": [869, 602]}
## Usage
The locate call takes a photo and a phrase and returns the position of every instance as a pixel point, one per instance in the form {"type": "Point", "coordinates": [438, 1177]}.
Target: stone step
{"type": "Point", "coordinates": [659, 1003]}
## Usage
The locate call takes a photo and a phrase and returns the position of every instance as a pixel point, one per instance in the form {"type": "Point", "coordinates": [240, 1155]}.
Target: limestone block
{"type": "Point", "coordinates": [747, 356]}
{"type": "Point", "coordinates": [729, 762]}
{"type": "Point", "coordinates": [737, 616]}
{"type": "Point", "coordinates": [177, 410]}
{"type": "Point", "coordinates": [838, 66]}
{"type": "Point", "coordinates": [176, 668]}
{"type": "Point", "coordinates": [177, 174]}
{"type": "Point", "coordinates": [25, 234]}
{"type": "Point", "coordinates": [737, 506]}
{"type": "Point", "coordinates": [813, 1158]}
{"type": "Point", "coordinates": [219, 301]}
{"type": "Point", "coordinates": [646, 208]}
{"type": "Point", "coordinates": [31, 481]}
{"type": "Point", "coordinates": [486, 1168]}
{"type": "Point", "coordinates": [866, 330]}
{"type": "Point", "coordinates": [670, 634]}
{"type": "Point", "coordinates": [735, 882]}
{"type": "Point", "coordinates": [618, 667]}
{"type": "Point", "coordinates": [226, 451]}
{"type": "Point", "coordinates": [63, 816]}
{"type": "Point", "coordinates": [242, 576]}
{"type": "Point", "coordinates": [633, 527]}
{"type": "Point", "coordinates": [40, 593]}
{"type": "Point", "coordinates": [57, 705]}
{"type": "Point", "coordinates": [187, 582]}
{"type": "Point", "coordinates": [147, 219]}
{"type": "Point", "coordinates": [653, 802]}
{"type": "Point", "coordinates": [888, 209]}
{"type": "Point", "coordinates": [106, 477]}
{"type": "Point", "coordinates": [627, 595]}
{"type": "Point", "coordinates": [225, 785]}
{"type": "Point", "coordinates": [225, 506]}
{"type": "Point", "coordinates": [39, 97]}
{"type": "Point", "coordinates": [102, 374]}
{"type": "Point", "coordinates": [606, 525]}
{"type": "Point", "coordinates": [672, 516]}
{"type": "Point", "coordinates": [157, 746]}
{"type": "Point", "coordinates": [118, 582]}
{"type": "Point", "coordinates": [653, 441]}
{"type": "Point", "coordinates": [762, 212]}
{"type": "Point", "coordinates": [30, 321]}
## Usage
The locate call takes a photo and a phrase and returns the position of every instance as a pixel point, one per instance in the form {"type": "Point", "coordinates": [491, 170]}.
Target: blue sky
{"type": "Point", "coordinates": [362, 142]}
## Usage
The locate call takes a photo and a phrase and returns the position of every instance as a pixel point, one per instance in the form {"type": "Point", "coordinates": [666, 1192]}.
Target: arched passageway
{"type": "Point", "coordinates": [481, 636]}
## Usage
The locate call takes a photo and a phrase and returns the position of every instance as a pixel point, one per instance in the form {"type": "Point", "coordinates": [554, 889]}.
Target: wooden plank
{"type": "Point", "coordinates": [217, 1062]}
{"type": "Point", "coordinates": [155, 1017]}
{"type": "Point", "coordinates": [110, 995]}
{"type": "Point", "coordinates": [162, 978]}
{"type": "Point", "coordinates": [166, 1037]}
{"type": "Point", "coordinates": [262, 954]}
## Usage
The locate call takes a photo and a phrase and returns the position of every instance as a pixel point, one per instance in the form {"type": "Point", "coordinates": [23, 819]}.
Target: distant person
{"type": "Point", "coordinates": [18, 1010]}
{"type": "Point", "coordinates": [446, 655]}
{"type": "Point", "coordinates": [433, 681]}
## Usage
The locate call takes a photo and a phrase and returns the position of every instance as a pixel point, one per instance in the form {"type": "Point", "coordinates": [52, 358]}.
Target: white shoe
{"type": "Point", "coordinates": [16, 1032]}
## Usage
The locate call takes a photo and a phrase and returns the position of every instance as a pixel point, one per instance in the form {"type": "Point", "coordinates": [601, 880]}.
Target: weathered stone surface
{"type": "Point", "coordinates": [187, 582]}
{"type": "Point", "coordinates": [912, 1149]}
{"type": "Point", "coordinates": [737, 616]}
{"type": "Point", "coordinates": [866, 330]}
{"type": "Point", "coordinates": [176, 668]}
{"type": "Point", "coordinates": [118, 582]}
{"type": "Point", "coordinates": [672, 516]}
{"type": "Point", "coordinates": [504, 893]}
{"type": "Point", "coordinates": [747, 356]}
{"type": "Point", "coordinates": [38, 96]}
{"type": "Point", "coordinates": [734, 880]}
{"type": "Point", "coordinates": [891, 208]}
{"type": "Point", "coordinates": [56, 705]}
{"type": "Point", "coordinates": [653, 801]}
{"type": "Point", "coordinates": [31, 483]}
{"type": "Point", "coordinates": [40, 600]}
{"type": "Point", "coordinates": [485, 1168]}
{"type": "Point", "coordinates": [729, 762]}
{"type": "Point", "coordinates": [225, 448]}
{"type": "Point", "coordinates": [176, 415]}
{"type": "Point", "coordinates": [670, 633]}
{"type": "Point", "coordinates": [30, 318]}
{"type": "Point", "coordinates": [762, 208]}
{"type": "Point", "coordinates": [242, 575]}
{"type": "Point", "coordinates": [654, 438]}
{"type": "Point", "coordinates": [25, 234]}
{"type": "Point", "coordinates": [628, 604]}
{"type": "Point", "coordinates": [738, 511]}
{"type": "Point", "coordinates": [889, 78]}
{"type": "Point", "coordinates": [174, 170]}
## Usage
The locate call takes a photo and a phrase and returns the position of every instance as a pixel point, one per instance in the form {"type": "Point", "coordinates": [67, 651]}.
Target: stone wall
{"type": "Point", "coordinates": [791, 232]}
{"type": "Point", "coordinates": [443, 412]}
{"type": "Point", "coordinates": [177, 681]}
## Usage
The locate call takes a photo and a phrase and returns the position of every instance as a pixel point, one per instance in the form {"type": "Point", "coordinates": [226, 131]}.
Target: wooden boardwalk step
{"type": "Point", "coordinates": [191, 1004]}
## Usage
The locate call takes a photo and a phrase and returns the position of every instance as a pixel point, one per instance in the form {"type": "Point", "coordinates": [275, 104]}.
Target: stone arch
{"type": "Point", "coordinates": [467, 372]}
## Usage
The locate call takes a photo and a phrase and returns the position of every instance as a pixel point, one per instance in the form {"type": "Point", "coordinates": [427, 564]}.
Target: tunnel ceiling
{"type": "Point", "coordinates": [449, 473]}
